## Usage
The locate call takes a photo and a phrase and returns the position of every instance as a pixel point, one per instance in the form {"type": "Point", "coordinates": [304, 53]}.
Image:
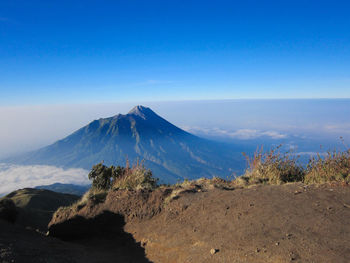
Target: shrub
{"type": "Point", "coordinates": [103, 177]}
{"type": "Point", "coordinates": [334, 167]}
{"type": "Point", "coordinates": [272, 167]}
{"type": "Point", "coordinates": [135, 177]}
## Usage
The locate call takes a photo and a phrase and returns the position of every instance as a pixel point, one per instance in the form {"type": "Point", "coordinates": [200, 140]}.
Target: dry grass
{"type": "Point", "coordinates": [129, 177]}
{"type": "Point", "coordinates": [272, 167]}
{"type": "Point", "coordinates": [93, 195]}
{"type": "Point", "coordinates": [135, 177]}
{"type": "Point", "coordinates": [199, 185]}
{"type": "Point", "coordinates": [335, 167]}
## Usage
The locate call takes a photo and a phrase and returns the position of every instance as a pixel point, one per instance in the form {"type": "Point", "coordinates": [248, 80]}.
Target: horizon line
{"type": "Point", "coordinates": [139, 102]}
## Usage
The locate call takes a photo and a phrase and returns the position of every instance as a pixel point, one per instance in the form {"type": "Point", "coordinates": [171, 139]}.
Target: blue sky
{"type": "Point", "coordinates": [54, 52]}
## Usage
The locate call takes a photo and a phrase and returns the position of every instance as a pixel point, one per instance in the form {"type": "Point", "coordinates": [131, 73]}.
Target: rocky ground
{"type": "Point", "coordinates": [280, 223]}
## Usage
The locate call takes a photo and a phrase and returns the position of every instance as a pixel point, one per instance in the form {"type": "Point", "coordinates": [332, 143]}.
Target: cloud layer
{"type": "Point", "coordinates": [13, 177]}
{"type": "Point", "coordinates": [242, 134]}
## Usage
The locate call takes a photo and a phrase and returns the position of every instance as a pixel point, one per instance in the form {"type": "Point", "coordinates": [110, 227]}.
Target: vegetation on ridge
{"type": "Point", "coordinates": [134, 177]}
{"type": "Point", "coordinates": [270, 167]}
{"type": "Point", "coordinates": [106, 178]}
{"type": "Point", "coordinates": [274, 167]}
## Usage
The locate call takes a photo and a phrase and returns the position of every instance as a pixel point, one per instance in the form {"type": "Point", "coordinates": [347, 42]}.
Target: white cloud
{"type": "Point", "coordinates": [322, 154]}
{"type": "Point", "coordinates": [342, 129]}
{"type": "Point", "coordinates": [13, 177]}
{"type": "Point", "coordinates": [242, 134]}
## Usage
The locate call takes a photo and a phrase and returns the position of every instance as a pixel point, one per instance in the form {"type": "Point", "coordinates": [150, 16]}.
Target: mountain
{"type": "Point", "coordinates": [66, 188]}
{"type": "Point", "coordinates": [170, 152]}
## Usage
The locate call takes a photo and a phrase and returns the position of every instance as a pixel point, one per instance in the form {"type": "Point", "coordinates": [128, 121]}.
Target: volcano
{"type": "Point", "coordinates": [170, 152]}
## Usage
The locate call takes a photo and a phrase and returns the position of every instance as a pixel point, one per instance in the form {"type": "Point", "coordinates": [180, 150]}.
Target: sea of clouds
{"type": "Point", "coordinates": [13, 177]}
{"type": "Point", "coordinates": [240, 134]}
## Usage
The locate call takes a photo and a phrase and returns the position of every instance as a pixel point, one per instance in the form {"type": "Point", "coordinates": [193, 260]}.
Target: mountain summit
{"type": "Point", "coordinates": [170, 152]}
{"type": "Point", "coordinates": [142, 111]}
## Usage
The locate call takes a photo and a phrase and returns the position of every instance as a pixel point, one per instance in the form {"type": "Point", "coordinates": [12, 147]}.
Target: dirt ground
{"type": "Point", "coordinates": [282, 223]}
{"type": "Point", "coordinates": [287, 223]}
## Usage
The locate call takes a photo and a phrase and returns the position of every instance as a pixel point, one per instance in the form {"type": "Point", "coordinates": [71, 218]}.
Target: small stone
{"type": "Point", "coordinates": [292, 256]}
{"type": "Point", "coordinates": [214, 251]}
{"type": "Point", "coordinates": [144, 242]}
{"type": "Point", "coordinates": [277, 243]}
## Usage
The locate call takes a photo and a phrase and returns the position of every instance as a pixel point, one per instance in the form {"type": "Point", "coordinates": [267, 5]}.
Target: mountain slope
{"type": "Point", "coordinates": [170, 152]}
{"type": "Point", "coordinates": [36, 206]}
{"type": "Point", "coordinates": [73, 189]}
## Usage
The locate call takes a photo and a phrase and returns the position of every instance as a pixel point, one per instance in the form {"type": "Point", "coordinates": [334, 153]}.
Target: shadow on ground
{"type": "Point", "coordinates": [96, 240]}
{"type": "Point", "coordinates": [103, 236]}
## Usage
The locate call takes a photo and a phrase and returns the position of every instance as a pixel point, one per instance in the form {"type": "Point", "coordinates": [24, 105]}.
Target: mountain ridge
{"type": "Point", "coordinates": [170, 152]}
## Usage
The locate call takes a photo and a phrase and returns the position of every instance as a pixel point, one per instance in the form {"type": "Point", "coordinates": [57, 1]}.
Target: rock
{"type": "Point", "coordinates": [292, 256]}
{"type": "Point", "coordinates": [144, 242]}
{"type": "Point", "coordinates": [214, 251]}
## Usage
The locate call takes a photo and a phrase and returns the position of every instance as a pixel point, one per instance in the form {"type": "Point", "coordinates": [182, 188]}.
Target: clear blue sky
{"type": "Point", "coordinates": [99, 51]}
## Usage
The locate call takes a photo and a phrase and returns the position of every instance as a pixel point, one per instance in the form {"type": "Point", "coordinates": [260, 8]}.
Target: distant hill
{"type": "Point", "coordinates": [170, 152]}
{"type": "Point", "coordinates": [66, 188]}
{"type": "Point", "coordinates": [36, 206]}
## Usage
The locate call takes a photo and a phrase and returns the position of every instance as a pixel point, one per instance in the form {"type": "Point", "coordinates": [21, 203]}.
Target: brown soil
{"type": "Point", "coordinates": [286, 223]}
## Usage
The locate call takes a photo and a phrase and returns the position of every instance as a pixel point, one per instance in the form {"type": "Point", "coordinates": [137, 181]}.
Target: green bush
{"type": "Point", "coordinates": [102, 177]}
{"type": "Point", "coordinates": [135, 177]}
